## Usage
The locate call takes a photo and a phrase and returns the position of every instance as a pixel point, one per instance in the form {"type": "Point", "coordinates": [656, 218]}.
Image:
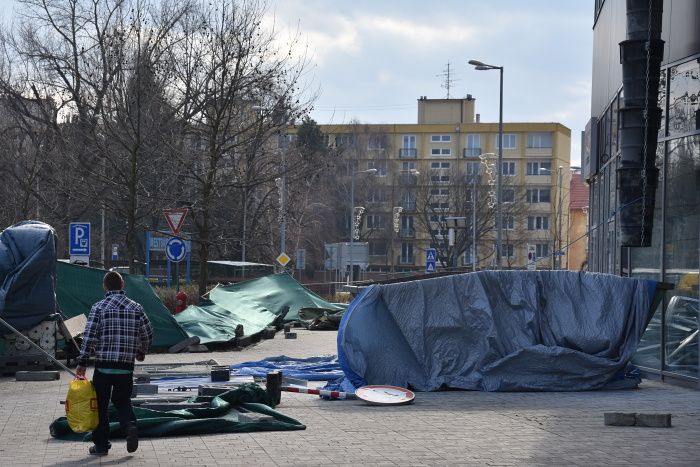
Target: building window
{"type": "Point", "coordinates": [440, 165]}
{"type": "Point", "coordinates": [440, 152]}
{"type": "Point", "coordinates": [541, 250]}
{"type": "Point", "coordinates": [375, 221]}
{"type": "Point", "coordinates": [406, 253]}
{"type": "Point", "coordinates": [473, 146]}
{"type": "Point", "coordinates": [344, 141]}
{"type": "Point", "coordinates": [507, 250]}
{"type": "Point", "coordinates": [380, 166]}
{"type": "Point", "coordinates": [508, 168]}
{"type": "Point", "coordinates": [473, 168]}
{"type": "Point", "coordinates": [376, 142]}
{"type": "Point", "coordinates": [508, 195]}
{"type": "Point", "coordinates": [439, 192]}
{"type": "Point", "coordinates": [538, 223]}
{"type": "Point", "coordinates": [440, 179]}
{"type": "Point", "coordinates": [508, 222]}
{"type": "Point", "coordinates": [440, 206]}
{"type": "Point", "coordinates": [376, 195]}
{"type": "Point", "coordinates": [509, 141]}
{"type": "Point", "coordinates": [408, 146]}
{"type": "Point", "coordinates": [538, 195]}
{"type": "Point", "coordinates": [539, 168]}
{"type": "Point", "coordinates": [440, 138]}
{"type": "Point", "coordinates": [539, 140]}
{"type": "Point", "coordinates": [408, 166]}
{"type": "Point", "coordinates": [377, 247]}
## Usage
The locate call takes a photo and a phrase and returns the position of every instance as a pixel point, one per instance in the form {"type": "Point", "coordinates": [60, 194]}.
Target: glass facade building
{"type": "Point", "coordinates": [669, 347]}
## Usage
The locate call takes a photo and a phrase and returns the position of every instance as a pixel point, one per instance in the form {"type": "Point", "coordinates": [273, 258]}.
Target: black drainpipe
{"type": "Point", "coordinates": [636, 204]}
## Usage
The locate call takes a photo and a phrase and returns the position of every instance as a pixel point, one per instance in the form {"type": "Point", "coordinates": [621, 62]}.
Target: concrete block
{"type": "Point", "coordinates": [37, 375]}
{"type": "Point", "coordinates": [654, 420]}
{"type": "Point", "coordinates": [212, 390]}
{"type": "Point", "coordinates": [198, 348]}
{"type": "Point", "coordinates": [290, 335]}
{"type": "Point", "coordinates": [269, 332]}
{"type": "Point", "coordinates": [140, 389]}
{"type": "Point", "coordinates": [287, 328]}
{"type": "Point", "coordinates": [244, 341]}
{"type": "Point", "coordinates": [619, 418]}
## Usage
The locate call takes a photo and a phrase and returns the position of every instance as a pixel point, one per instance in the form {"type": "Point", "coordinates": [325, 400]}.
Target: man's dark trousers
{"type": "Point", "coordinates": [119, 387]}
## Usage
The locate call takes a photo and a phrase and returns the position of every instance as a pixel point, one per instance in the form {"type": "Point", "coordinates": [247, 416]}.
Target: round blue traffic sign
{"type": "Point", "coordinates": [175, 249]}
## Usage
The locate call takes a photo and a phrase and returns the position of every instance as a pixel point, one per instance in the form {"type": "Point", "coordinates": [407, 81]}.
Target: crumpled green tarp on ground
{"type": "Point", "coordinates": [220, 417]}
{"type": "Point", "coordinates": [79, 287]}
{"type": "Point", "coordinates": [255, 304]}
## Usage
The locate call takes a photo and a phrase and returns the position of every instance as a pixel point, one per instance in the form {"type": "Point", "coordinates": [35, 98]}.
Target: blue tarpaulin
{"type": "Point", "coordinates": [496, 331]}
{"type": "Point", "coordinates": [27, 274]}
{"type": "Point", "coordinates": [323, 368]}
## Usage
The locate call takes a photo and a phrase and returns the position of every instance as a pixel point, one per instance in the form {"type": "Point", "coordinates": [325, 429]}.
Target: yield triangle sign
{"type": "Point", "coordinates": [175, 218]}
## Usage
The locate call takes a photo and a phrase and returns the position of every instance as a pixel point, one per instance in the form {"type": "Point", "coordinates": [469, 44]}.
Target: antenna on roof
{"type": "Point", "coordinates": [449, 80]}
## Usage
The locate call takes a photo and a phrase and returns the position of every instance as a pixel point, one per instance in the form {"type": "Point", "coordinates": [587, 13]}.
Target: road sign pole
{"type": "Point", "coordinates": [177, 277]}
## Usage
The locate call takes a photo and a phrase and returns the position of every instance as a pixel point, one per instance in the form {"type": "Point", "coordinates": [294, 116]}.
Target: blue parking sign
{"type": "Point", "coordinates": [79, 239]}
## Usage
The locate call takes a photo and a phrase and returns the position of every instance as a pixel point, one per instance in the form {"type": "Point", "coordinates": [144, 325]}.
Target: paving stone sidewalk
{"type": "Point", "coordinates": [445, 428]}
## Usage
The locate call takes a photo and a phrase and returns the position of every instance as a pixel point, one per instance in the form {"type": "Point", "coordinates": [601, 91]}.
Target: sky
{"type": "Point", "coordinates": [370, 60]}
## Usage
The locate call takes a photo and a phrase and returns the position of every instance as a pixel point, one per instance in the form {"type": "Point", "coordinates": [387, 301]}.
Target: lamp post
{"type": "Point", "coordinates": [397, 214]}
{"type": "Point", "coordinates": [354, 172]}
{"type": "Point", "coordinates": [454, 223]}
{"type": "Point", "coordinates": [483, 66]}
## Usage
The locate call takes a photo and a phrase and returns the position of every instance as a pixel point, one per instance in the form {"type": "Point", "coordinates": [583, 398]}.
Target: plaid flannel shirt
{"type": "Point", "coordinates": [116, 330]}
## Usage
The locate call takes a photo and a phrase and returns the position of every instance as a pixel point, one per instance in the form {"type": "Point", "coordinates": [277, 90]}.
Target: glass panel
{"type": "Point", "coordinates": [681, 258]}
{"type": "Point", "coordinates": [645, 264]}
{"type": "Point", "coordinates": [684, 98]}
{"type": "Point", "coordinates": [662, 102]}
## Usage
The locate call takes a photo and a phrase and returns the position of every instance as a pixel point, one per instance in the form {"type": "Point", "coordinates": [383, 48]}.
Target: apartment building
{"type": "Point", "coordinates": [412, 178]}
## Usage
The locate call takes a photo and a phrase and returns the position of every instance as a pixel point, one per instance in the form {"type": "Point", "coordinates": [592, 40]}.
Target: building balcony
{"type": "Point", "coordinates": [408, 152]}
{"type": "Point", "coordinates": [408, 232]}
{"type": "Point", "coordinates": [472, 152]}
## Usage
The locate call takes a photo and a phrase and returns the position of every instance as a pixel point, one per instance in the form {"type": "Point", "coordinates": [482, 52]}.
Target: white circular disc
{"type": "Point", "coordinates": [385, 395]}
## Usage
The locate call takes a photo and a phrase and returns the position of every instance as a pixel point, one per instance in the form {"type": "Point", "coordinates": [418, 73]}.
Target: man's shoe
{"type": "Point", "coordinates": [132, 438]}
{"type": "Point", "coordinates": [95, 451]}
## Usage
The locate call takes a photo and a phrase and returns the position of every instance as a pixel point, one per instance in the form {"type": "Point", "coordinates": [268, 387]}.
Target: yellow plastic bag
{"type": "Point", "coordinates": [81, 406]}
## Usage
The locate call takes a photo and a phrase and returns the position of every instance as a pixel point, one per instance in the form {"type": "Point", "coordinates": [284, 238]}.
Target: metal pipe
{"type": "Point", "coordinates": [499, 201]}
{"type": "Point", "coordinates": [352, 224]}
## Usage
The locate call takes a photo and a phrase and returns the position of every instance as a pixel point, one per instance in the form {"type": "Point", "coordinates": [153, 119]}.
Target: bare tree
{"type": "Point", "coordinates": [233, 85]}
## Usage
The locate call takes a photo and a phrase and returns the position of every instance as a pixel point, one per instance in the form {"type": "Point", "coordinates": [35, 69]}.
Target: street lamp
{"type": "Point", "coordinates": [352, 217]}
{"type": "Point", "coordinates": [483, 66]}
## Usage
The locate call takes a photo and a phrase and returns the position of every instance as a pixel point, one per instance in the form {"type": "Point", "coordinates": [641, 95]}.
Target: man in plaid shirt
{"type": "Point", "coordinates": [118, 332]}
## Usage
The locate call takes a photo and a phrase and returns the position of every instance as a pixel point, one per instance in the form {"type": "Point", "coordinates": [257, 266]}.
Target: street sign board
{"type": "Point", "coordinates": [175, 218]}
{"type": "Point", "coordinates": [283, 259]}
{"type": "Point", "coordinates": [430, 259]}
{"type": "Point", "coordinates": [300, 262]}
{"type": "Point", "coordinates": [115, 251]}
{"type": "Point", "coordinates": [79, 239]}
{"type": "Point", "coordinates": [175, 249]}
{"type": "Point", "coordinates": [531, 257]}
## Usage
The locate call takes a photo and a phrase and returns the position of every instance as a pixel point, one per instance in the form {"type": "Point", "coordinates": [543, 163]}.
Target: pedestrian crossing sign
{"type": "Point", "coordinates": [430, 259]}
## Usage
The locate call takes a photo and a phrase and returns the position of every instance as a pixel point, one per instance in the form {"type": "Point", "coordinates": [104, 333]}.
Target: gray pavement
{"type": "Point", "coordinates": [445, 428]}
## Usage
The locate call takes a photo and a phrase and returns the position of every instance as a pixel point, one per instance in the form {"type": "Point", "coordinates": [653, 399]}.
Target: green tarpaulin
{"type": "Point", "coordinates": [255, 304]}
{"type": "Point", "coordinates": [79, 287]}
{"type": "Point", "coordinates": [224, 414]}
